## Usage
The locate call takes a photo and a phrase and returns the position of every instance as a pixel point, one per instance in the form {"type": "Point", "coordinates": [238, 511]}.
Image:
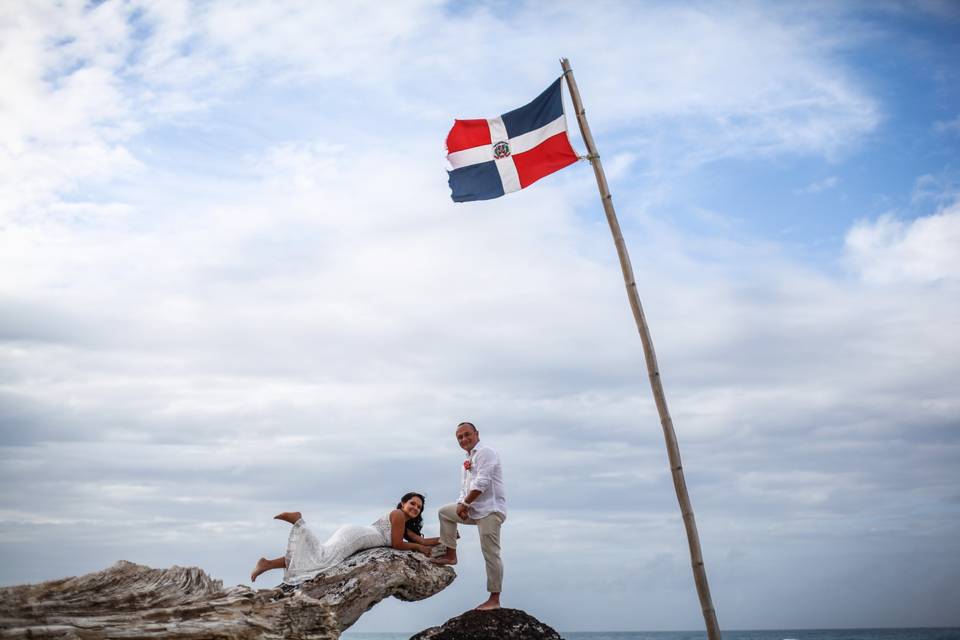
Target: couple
{"type": "Point", "coordinates": [481, 502]}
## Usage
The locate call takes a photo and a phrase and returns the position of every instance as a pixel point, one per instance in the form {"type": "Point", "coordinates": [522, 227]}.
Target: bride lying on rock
{"type": "Point", "coordinates": [306, 556]}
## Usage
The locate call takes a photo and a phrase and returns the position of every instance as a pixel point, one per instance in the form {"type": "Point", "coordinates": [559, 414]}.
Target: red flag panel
{"type": "Point", "coordinates": [467, 134]}
{"type": "Point", "coordinates": [551, 155]}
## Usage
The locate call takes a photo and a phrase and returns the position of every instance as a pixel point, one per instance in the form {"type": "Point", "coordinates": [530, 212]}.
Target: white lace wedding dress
{"type": "Point", "coordinates": [306, 556]}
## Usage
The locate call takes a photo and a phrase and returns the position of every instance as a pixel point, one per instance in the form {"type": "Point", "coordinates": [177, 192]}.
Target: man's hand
{"type": "Point", "coordinates": [462, 510]}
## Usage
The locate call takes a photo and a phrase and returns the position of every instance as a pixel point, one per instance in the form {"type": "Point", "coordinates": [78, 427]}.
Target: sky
{"type": "Point", "coordinates": [232, 283]}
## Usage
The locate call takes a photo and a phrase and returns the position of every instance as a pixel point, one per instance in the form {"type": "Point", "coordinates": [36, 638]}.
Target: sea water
{"type": "Point", "coordinates": [770, 634]}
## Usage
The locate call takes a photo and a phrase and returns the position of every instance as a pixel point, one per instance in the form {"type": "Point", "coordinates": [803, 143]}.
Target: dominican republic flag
{"type": "Point", "coordinates": [492, 157]}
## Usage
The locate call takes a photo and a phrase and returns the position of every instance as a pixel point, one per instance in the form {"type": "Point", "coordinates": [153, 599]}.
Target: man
{"type": "Point", "coordinates": [482, 502]}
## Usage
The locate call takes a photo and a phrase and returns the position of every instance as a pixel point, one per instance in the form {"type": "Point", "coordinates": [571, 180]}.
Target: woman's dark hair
{"type": "Point", "coordinates": [413, 524]}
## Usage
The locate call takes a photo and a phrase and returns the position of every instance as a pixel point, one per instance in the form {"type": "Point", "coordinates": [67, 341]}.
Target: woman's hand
{"type": "Point", "coordinates": [431, 542]}
{"type": "Point", "coordinates": [422, 548]}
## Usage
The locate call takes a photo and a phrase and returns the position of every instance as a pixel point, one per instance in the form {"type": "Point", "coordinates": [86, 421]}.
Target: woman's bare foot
{"type": "Point", "coordinates": [288, 516]}
{"type": "Point", "coordinates": [493, 602]}
{"type": "Point", "coordinates": [262, 565]}
{"type": "Point", "coordinates": [450, 557]}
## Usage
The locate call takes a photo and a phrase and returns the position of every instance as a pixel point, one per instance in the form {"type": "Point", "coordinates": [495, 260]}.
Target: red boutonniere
{"type": "Point", "coordinates": [466, 465]}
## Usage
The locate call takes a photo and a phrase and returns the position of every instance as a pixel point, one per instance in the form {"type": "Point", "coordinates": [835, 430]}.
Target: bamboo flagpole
{"type": "Point", "coordinates": [673, 450]}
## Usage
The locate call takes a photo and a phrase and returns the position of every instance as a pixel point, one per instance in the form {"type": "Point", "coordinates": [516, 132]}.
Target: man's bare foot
{"type": "Point", "coordinates": [493, 602]}
{"type": "Point", "coordinates": [288, 516]}
{"type": "Point", "coordinates": [449, 558]}
{"type": "Point", "coordinates": [262, 565]}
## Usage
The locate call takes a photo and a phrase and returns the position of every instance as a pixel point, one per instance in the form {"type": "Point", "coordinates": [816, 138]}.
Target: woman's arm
{"type": "Point", "coordinates": [429, 542]}
{"type": "Point", "coordinates": [398, 524]}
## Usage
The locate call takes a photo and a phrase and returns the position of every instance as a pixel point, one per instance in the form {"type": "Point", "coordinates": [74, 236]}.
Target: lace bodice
{"type": "Point", "coordinates": [383, 526]}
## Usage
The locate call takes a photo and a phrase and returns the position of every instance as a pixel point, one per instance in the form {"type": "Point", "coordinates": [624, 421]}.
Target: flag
{"type": "Point", "coordinates": [500, 155]}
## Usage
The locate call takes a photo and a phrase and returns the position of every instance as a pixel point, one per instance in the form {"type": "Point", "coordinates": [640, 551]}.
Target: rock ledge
{"type": "Point", "coordinates": [130, 600]}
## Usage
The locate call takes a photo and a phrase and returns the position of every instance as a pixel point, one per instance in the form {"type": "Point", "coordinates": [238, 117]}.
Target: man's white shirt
{"type": "Point", "coordinates": [485, 476]}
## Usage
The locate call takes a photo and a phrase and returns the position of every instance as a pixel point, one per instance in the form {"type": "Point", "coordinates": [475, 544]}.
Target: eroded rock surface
{"type": "Point", "coordinates": [133, 601]}
{"type": "Point", "coordinates": [499, 624]}
{"type": "Point", "coordinates": [352, 587]}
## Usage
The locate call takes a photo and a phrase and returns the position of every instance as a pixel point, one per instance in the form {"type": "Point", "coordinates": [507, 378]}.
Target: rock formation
{"type": "Point", "coordinates": [499, 624]}
{"type": "Point", "coordinates": [133, 601]}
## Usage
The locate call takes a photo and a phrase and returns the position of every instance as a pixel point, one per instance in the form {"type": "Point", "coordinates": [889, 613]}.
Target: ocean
{"type": "Point", "coordinates": [768, 634]}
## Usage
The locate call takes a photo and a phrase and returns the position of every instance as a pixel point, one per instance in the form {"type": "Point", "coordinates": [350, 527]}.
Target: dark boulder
{"type": "Point", "coordinates": [498, 624]}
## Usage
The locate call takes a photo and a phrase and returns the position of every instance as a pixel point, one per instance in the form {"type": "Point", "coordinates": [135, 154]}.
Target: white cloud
{"type": "Point", "coordinates": [942, 189]}
{"type": "Point", "coordinates": [947, 126]}
{"type": "Point", "coordinates": [65, 117]}
{"type": "Point", "coordinates": [890, 250]}
{"type": "Point", "coordinates": [733, 79]}
{"type": "Point", "coordinates": [820, 186]}
{"type": "Point", "coordinates": [88, 78]}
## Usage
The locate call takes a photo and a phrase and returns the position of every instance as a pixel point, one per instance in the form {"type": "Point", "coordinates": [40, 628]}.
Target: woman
{"type": "Point", "coordinates": [306, 556]}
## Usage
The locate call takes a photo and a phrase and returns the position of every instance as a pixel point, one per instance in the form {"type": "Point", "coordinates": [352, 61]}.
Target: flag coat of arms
{"type": "Point", "coordinates": [491, 157]}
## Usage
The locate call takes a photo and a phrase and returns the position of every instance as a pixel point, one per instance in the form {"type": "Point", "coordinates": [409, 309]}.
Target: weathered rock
{"type": "Point", "coordinates": [133, 601]}
{"type": "Point", "coordinates": [498, 624]}
{"type": "Point", "coordinates": [352, 587]}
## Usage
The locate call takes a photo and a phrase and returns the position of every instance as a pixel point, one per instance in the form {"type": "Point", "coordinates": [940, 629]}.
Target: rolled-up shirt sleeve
{"type": "Point", "coordinates": [484, 464]}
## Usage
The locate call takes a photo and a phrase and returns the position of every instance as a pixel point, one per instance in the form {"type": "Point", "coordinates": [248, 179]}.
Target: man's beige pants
{"type": "Point", "coordinates": [489, 528]}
